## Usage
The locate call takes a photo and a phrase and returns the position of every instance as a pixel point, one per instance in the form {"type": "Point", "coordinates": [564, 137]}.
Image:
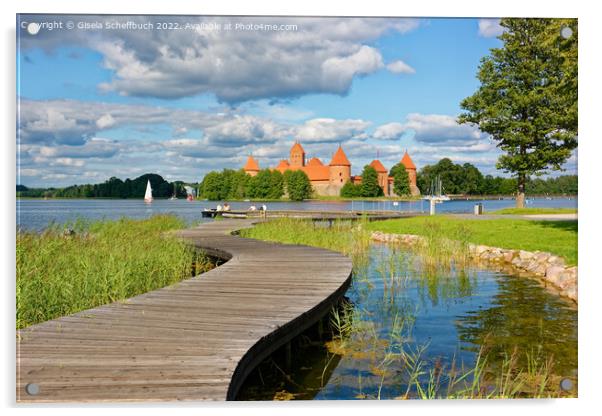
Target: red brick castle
{"type": "Point", "coordinates": [329, 179]}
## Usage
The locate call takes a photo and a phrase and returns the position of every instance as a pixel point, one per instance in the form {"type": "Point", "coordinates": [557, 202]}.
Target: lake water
{"type": "Point", "coordinates": [444, 317]}
{"type": "Point", "coordinates": [36, 214]}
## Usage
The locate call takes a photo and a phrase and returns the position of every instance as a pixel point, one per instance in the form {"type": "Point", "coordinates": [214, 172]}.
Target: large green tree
{"type": "Point", "coordinates": [369, 186]}
{"type": "Point", "coordinates": [527, 100]}
{"type": "Point", "coordinates": [298, 185]}
{"type": "Point", "coordinates": [401, 180]}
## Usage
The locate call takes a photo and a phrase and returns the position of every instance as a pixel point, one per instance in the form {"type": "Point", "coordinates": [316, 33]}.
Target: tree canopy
{"type": "Point", "coordinates": [401, 180]}
{"type": "Point", "coordinates": [527, 100]}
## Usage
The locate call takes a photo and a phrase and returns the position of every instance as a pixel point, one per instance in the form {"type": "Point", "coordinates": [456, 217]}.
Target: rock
{"type": "Point", "coordinates": [553, 274]}
{"type": "Point", "coordinates": [480, 249]}
{"type": "Point", "coordinates": [559, 261]}
{"type": "Point", "coordinates": [542, 257]}
{"type": "Point", "coordinates": [509, 256]}
{"type": "Point", "coordinates": [525, 255]}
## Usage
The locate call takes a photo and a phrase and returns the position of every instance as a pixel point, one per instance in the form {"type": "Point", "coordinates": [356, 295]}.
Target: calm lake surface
{"type": "Point", "coordinates": [443, 317]}
{"type": "Point", "coordinates": [36, 214]}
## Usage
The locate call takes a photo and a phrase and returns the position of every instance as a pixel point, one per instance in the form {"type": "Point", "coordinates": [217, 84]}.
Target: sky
{"type": "Point", "coordinates": [102, 96]}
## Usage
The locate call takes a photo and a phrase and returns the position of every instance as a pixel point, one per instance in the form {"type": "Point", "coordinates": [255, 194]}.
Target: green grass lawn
{"type": "Point", "coordinates": [534, 211]}
{"type": "Point", "coordinates": [557, 237]}
{"type": "Point", "coordinates": [104, 261]}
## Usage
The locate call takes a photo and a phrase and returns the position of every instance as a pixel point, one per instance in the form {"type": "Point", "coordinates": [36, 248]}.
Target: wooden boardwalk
{"type": "Point", "coordinates": [196, 340]}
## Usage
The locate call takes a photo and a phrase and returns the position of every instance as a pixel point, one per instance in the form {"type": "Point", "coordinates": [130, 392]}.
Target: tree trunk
{"type": "Point", "coordinates": [520, 197]}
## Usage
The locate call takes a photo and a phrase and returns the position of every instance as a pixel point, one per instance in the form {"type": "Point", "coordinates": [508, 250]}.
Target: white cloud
{"type": "Point", "coordinates": [105, 121]}
{"type": "Point", "coordinates": [431, 128]}
{"type": "Point", "coordinates": [331, 130]}
{"type": "Point", "coordinates": [400, 67]}
{"type": "Point", "coordinates": [389, 131]}
{"type": "Point", "coordinates": [323, 55]}
{"type": "Point", "coordinates": [338, 72]}
{"type": "Point", "coordinates": [489, 28]}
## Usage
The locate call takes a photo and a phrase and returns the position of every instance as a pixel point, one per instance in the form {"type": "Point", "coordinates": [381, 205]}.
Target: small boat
{"type": "Point", "coordinates": [148, 196]}
{"type": "Point", "coordinates": [174, 197]}
{"type": "Point", "coordinates": [209, 213]}
{"type": "Point", "coordinates": [234, 214]}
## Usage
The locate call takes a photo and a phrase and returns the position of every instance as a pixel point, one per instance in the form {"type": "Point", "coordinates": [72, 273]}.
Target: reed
{"type": "Point", "coordinates": [98, 262]}
{"type": "Point", "coordinates": [347, 237]}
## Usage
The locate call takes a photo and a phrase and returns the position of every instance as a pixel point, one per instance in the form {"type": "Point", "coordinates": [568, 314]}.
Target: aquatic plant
{"type": "Point", "coordinates": [80, 265]}
{"type": "Point", "coordinates": [348, 237]}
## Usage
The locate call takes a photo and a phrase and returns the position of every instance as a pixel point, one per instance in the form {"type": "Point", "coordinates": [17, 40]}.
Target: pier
{"type": "Point", "coordinates": [195, 340]}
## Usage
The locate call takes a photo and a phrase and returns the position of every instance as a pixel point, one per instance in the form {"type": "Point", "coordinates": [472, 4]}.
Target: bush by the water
{"type": "Point", "coordinates": [99, 262]}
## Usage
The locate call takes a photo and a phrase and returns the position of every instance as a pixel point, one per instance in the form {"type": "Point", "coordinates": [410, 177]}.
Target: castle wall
{"type": "Point", "coordinates": [325, 188]}
{"type": "Point", "coordinates": [340, 175]}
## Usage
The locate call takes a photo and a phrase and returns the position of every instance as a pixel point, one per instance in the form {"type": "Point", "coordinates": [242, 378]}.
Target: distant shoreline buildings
{"type": "Point", "coordinates": [327, 180]}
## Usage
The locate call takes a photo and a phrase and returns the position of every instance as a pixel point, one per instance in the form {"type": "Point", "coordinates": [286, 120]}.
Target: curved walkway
{"type": "Point", "coordinates": [196, 340]}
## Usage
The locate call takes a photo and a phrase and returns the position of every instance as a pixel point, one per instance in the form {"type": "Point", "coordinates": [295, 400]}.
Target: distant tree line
{"type": "Point", "coordinates": [466, 179]}
{"type": "Point", "coordinates": [267, 184]}
{"type": "Point", "coordinates": [111, 188]}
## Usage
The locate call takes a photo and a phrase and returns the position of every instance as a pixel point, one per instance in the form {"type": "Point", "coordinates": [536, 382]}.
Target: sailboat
{"type": "Point", "coordinates": [148, 195]}
{"type": "Point", "coordinates": [436, 191]}
{"type": "Point", "coordinates": [174, 196]}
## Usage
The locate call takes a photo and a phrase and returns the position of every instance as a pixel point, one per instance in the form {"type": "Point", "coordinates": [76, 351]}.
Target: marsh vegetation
{"type": "Point", "coordinates": [427, 324]}
{"type": "Point", "coordinates": [61, 272]}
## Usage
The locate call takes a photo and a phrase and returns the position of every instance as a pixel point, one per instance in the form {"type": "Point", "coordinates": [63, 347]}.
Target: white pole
{"type": "Point", "coordinates": [432, 206]}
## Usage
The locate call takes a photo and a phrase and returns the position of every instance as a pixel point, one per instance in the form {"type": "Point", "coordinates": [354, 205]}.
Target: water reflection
{"type": "Point", "coordinates": [409, 330]}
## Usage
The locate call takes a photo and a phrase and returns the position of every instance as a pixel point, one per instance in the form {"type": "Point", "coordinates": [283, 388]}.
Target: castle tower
{"type": "Point", "coordinates": [297, 156]}
{"type": "Point", "coordinates": [411, 169]}
{"type": "Point", "coordinates": [340, 169]}
{"type": "Point", "coordinates": [383, 175]}
{"type": "Point", "coordinates": [251, 167]}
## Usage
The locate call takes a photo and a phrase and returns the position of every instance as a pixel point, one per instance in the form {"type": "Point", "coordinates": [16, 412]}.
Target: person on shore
{"type": "Point", "coordinates": [264, 211]}
{"type": "Point", "coordinates": [219, 208]}
{"type": "Point", "coordinates": [252, 208]}
{"type": "Point", "coordinates": [226, 206]}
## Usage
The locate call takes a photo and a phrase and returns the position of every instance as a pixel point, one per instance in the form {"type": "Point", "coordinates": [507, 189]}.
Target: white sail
{"type": "Point", "coordinates": [148, 196]}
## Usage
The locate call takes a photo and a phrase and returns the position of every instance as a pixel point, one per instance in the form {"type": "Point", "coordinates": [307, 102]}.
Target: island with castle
{"type": "Point", "coordinates": [327, 180]}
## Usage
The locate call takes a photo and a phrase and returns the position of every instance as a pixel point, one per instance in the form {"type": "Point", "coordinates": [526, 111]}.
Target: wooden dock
{"type": "Point", "coordinates": [196, 340]}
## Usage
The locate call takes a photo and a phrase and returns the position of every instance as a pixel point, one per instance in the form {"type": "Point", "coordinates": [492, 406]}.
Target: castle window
{"type": "Point", "coordinates": [340, 174]}
{"type": "Point", "coordinates": [341, 180]}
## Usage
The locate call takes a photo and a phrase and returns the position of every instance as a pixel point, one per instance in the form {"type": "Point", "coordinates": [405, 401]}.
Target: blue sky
{"type": "Point", "coordinates": [101, 103]}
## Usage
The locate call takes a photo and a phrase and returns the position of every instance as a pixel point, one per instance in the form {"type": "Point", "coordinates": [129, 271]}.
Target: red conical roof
{"type": "Point", "coordinates": [251, 165]}
{"type": "Point", "coordinates": [297, 148]}
{"type": "Point", "coordinates": [406, 160]}
{"type": "Point", "coordinates": [283, 165]}
{"type": "Point", "coordinates": [314, 161]}
{"type": "Point", "coordinates": [340, 158]}
{"type": "Point", "coordinates": [378, 166]}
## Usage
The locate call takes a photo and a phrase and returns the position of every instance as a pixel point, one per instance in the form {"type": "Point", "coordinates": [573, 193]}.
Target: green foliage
{"type": "Point", "coordinates": [401, 180]}
{"type": "Point", "coordinates": [212, 186]}
{"type": "Point", "coordinates": [111, 188]}
{"type": "Point", "coordinates": [298, 185]}
{"type": "Point", "coordinates": [236, 184]}
{"type": "Point", "coordinates": [102, 262]}
{"type": "Point", "coordinates": [466, 179]}
{"type": "Point", "coordinates": [557, 237]}
{"type": "Point", "coordinates": [369, 186]}
{"type": "Point", "coordinates": [527, 100]}
{"type": "Point", "coordinates": [351, 190]}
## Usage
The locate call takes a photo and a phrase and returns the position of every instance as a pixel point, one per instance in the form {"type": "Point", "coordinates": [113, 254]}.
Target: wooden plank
{"type": "Point", "coordinates": [195, 340]}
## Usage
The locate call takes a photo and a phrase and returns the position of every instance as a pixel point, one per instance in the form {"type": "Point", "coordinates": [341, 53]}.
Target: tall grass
{"type": "Point", "coordinates": [349, 238]}
{"type": "Point", "coordinates": [100, 262]}
{"type": "Point", "coordinates": [381, 343]}
{"type": "Point", "coordinates": [394, 360]}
